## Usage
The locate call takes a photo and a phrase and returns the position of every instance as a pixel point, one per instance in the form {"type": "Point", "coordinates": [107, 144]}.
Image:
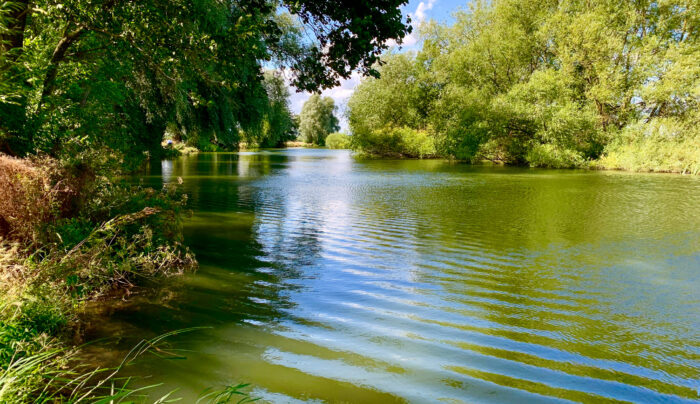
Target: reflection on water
{"type": "Point", "coordinates": [326, 279]}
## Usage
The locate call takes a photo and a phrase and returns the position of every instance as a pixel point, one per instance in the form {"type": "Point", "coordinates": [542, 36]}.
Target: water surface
{"type": "Point", "coordinates": [330, 279]}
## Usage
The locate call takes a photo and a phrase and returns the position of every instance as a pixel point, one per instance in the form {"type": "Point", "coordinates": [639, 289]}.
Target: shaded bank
{"type": "Point", "coordinates": [72, 232]}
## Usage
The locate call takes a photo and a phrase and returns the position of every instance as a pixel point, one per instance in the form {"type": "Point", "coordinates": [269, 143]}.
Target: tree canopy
{"type": "Point", "coordinates": [317, 119]}
{"type": "Point", "coordinates": [545, 83]}
{"type": "Point", "coordinates": [116, 73]}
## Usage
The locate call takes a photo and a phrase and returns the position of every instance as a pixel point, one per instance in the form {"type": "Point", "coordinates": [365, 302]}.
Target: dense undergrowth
{"type": "Point", "coordinates": [69, 234]}
{"type": "Point", "coordinates": [338, 140]}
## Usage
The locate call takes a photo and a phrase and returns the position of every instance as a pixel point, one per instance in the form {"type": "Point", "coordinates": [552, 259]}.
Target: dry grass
{"type": "Point", "coordinates": [296, 143]}
{"type": "Point", "coordinates": [31, 194]}
{"type": "Point", "coordinates": [70, 231]}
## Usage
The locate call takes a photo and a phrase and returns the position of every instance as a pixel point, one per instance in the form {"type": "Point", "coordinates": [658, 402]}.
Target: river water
{"type": "Point", "coordinates": [325, 278]}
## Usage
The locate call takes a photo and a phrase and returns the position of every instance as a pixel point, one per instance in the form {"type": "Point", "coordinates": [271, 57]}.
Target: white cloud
{"type": "Point", "coordinates": [418, 17]}
{"type": "Point", "coordinates": [420, 11]}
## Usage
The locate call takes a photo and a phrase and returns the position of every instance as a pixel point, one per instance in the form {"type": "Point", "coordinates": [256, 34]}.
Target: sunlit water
{"type": "Point", "coordinates": [330, 279]}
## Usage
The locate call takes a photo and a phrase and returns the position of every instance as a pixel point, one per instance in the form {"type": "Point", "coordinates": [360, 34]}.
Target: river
{"type": "Point", "coordinates": [325, 278]}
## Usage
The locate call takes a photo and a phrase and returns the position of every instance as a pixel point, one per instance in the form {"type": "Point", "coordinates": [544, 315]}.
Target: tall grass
{"type": "Point", "coordinates": [654, 153]}
{"type": "Point", "coordinates": [52, 376]}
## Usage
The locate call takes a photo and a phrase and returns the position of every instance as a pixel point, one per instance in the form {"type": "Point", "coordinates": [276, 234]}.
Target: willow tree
{"type": "Point", "coordinates": [549, 83]}
{"type": "Point", "coordinates": [93, 73]}
{"type": "Point", "coordinates": [317, 119]}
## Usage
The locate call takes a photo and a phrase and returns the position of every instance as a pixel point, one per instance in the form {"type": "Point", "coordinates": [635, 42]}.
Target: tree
{"type": "Point", "coordinates": [115, 73]}
{"type": "Point", "coordinates": [543, 83]}
{"type": "Point", "coordinates": [277, 125]}
{"type": "Point", "coordinates": [317, 119]}
{"type": "Point", "coordinates": [278, 117]}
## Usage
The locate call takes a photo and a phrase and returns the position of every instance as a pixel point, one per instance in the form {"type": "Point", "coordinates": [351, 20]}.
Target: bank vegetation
{"type": "Point", "coordinates": [601, 84]}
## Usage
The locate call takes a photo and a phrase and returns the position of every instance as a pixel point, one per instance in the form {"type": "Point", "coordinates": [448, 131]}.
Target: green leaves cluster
{"type": "Point", "coordinates": [317, 120]}
{"type": "Point", "coordinates": [338, 141]}
{"type": "Point", "coordinates": [278, 124]}
{"type": "Point", "coordinates": [113, 73]}
{"type": "Point", "coordinates": [545, 83]}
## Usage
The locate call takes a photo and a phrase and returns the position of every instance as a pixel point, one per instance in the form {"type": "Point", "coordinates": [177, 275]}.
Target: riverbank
{"type": "Point", "coordinates": [652, 154]}
{"type": "Point", "coordinates": [70, 234]}
{"type": "Point", "coordinates": [174, 149]}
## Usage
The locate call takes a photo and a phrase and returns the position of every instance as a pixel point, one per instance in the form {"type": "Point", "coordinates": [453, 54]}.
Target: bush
{"type": "Point", "coordinates": [338, 141]}
{"type": "Point", "coordinates": [549, 155]}
{"type": "Point", "coordinates": [398, 142]}
{"type": "Point", "coordinates": [661, 145]}
{"type": "Point", "coordinates": [72, 231]}
{"type": "Point", "coordinates": [176, 149]}
{"type": "Point", "coordinates": [32, 192]}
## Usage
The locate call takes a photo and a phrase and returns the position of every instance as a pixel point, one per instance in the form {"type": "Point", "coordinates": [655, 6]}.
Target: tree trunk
{"type": "Point", "coordinates": [12, 141]}
{"type": "Point", "coordinates": [59, 54]}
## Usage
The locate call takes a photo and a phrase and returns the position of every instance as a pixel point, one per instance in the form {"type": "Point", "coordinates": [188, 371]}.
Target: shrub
{"type": "Point", "coordinates": [72, 231]}
{"type": "Point", "coordinates": [661, 145]}
{"type": "Point", "coordinates": [338, 141]}
{"type": "Point", "coordinates": [399, 142]}
{"type": "Point", "coordinates": [552, 156]}
{"type": "Point", "coordinates": [176, 149]}
{"type": "Point", "coordinates": [31, 194]}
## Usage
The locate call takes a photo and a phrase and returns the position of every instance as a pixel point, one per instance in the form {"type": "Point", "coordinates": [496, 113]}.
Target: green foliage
{"type": "Point", "coordinates": [338, 141]}
{"type": "Point", "coordinates": [117, 74]}
{"type": "Point", "coordinates": [661, 145]}
{"type": "Point", "coordinates": [549, 155]}
{"type": "Point", "coordinates": [546, 83]}
{"type": "Point", "coordinates": [95, 237]}
{"type": "Point", "coordinates": [397, 142]}
{"type": "Point", "coordinates": [176, 149]}
{"type": "Point", "coordinates": [317, 120]}
{"type": "Point", "coordinates": [399, 98]}
{"type": "Point", "coordinates": [277, 125]}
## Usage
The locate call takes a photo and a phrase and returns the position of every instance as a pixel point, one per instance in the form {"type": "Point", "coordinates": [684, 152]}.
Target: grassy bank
{"type": "Point", "coordinates": [297, 143]}
{"type": "Point", "coordinates": [660, 151]}
{"type": "Point", "coordinates": [69, 234]}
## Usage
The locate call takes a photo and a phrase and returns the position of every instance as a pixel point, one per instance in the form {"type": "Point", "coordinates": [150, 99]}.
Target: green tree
{"type": "Point", "coordinates": [113, 73]}
{"type": "Point", "coordinates": [277, 125]}
{"type": "Point", "coordinates": [545, 83]}
{"type": "Point", "coordinates": [317, 119]}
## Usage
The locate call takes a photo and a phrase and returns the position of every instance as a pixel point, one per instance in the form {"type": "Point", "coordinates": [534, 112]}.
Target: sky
{"type": "Point", "coordinates": [439, 10]}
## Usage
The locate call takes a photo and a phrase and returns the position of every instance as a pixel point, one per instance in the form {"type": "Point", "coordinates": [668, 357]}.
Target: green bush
{"type": "Point", "coordinates": [177, 149]}
{"type": "Point", "coordinates": [72, 231]}
{"type": "Point", "coordinates": [398, 142]}
{"type": "Point", "coordinates": [338, 141]}
{"type": "Point", "coordinates": [661, 145]}
{"type": "Point", "coordinates": [549, 155]}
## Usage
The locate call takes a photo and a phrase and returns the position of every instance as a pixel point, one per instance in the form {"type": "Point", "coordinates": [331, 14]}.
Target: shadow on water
{"type": "Point", "coordinates": [328, 278]}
